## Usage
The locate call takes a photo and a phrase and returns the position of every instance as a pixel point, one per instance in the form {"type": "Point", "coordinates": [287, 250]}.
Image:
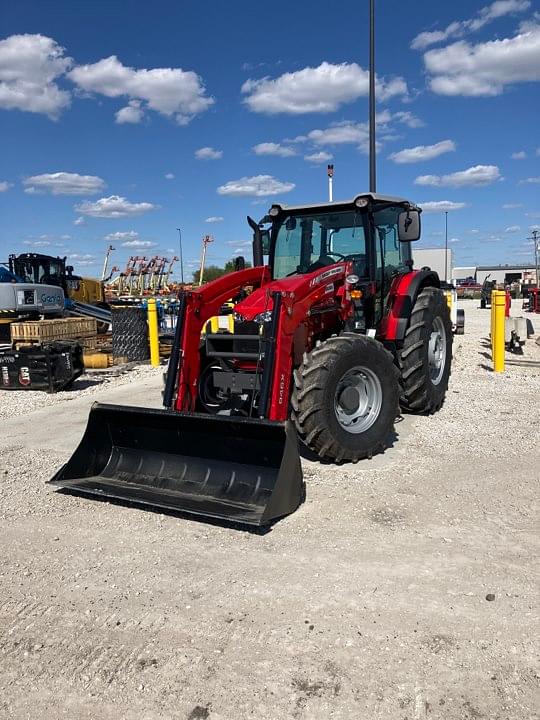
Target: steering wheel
{"type": "Point", "coordinates": [336, 254]}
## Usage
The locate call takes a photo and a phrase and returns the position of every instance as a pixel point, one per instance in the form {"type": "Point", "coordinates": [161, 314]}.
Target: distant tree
{"type": "Point", "coordinates": [213, 272]}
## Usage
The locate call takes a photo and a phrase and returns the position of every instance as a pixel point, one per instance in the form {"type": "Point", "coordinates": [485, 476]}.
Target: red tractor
{"type": "Point", "coordinates": [331, 335]}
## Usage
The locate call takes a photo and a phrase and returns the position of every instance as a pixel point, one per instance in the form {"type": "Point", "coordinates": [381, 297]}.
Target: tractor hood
{"type": "Point", "coordinates": [260, 300]}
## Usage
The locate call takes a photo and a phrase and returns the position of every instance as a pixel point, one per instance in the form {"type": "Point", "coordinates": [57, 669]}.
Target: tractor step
{"type": "Point", "coordinates": [234, 469]}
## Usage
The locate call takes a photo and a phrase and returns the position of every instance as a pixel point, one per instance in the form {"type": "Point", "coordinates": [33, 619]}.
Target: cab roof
{"type": "Point", "coordinates": [373, 197]}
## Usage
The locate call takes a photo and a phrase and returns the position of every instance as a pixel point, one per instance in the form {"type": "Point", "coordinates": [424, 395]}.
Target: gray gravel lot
{"type": "Point", "coordinates": [369, 602]}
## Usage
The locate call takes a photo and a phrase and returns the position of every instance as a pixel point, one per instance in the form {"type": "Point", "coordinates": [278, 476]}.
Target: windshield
{"type": "Point", "coordinates": [40, 271]}
{"type": "Point", "coordinates": [304, 243]}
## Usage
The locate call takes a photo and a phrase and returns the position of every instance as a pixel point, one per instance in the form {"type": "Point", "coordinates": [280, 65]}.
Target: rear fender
{"type": "Point", "coordinates": [401, 298]}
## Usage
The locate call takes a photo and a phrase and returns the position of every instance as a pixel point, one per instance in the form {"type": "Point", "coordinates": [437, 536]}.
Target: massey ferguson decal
{"type": "Point", "coordinates": [326, 275]}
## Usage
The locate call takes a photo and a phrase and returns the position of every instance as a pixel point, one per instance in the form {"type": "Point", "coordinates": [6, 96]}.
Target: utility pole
{"type": "Point", "coordinates": [330, 183]}
{"type": "Point", "coordinates": [372, 144]}
{"type": "Point", "coordinates": [207, 239]}
{"type": "Point", "coordinates": [181, 257]}
{"type": "Point", "coordinates": [446, 246]}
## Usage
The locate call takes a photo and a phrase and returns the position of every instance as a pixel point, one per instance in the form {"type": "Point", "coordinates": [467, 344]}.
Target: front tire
{"type": "Point", "coordinates": [426, 356]}
{"type": "Point", "coordinates": [345, 398]}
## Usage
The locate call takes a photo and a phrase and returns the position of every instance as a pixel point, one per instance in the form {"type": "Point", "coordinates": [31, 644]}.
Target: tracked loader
{"type": "Point", "coordinates": [336, 333]}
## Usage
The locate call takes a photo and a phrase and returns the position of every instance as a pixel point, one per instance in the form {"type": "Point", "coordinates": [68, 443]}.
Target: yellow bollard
{"type": "Point", "coordinates": [153, 335]}
{"type": "Point", "coordinates": [498, 302]}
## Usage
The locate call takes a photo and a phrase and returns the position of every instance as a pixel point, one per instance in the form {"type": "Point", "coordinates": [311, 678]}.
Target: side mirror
{"type": "Point", "coordinates": [258, 250]}
{"type": "Point", "coordinates": [409, 226]}
{"type": "Point", "coordinates": [239, 263]}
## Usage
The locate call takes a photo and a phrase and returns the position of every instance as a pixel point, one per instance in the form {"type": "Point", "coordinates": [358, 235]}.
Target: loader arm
{"type": "Point", "coordinates": [198, 307]}
{"type": "Point", "coordinates": [294, 308]}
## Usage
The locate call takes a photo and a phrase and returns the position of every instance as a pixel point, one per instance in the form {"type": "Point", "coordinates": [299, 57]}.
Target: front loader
{"type": "Point", "coordinates": [336, 332]}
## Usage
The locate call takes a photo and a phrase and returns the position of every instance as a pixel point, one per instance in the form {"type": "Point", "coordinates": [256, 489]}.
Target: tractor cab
{"type": "Point", "coordinates": [372, 231]}
{"type": "Point", "coordinates": [370, 234]}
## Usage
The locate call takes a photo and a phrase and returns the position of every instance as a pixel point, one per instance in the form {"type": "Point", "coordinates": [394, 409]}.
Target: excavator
{"type": "Point", "coordinates": [334, 331]}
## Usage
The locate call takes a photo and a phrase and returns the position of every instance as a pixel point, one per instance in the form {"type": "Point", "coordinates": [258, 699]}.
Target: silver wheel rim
{"type": "Point", "coordinates": [437, 351]}
{"type": "Point", "coordinates": [358, 399]}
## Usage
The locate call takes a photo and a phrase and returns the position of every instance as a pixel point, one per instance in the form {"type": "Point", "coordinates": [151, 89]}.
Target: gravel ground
{"type": "Point", "coordinates": [16, 403]}
{"type": "Point", "coordinates": [400, 590]}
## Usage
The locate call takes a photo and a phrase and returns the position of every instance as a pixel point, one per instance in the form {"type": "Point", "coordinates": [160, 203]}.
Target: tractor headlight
{"type": "Point", "coordinates": [352, 279]}
{"type": "Point", "coordinates": [263, 317]}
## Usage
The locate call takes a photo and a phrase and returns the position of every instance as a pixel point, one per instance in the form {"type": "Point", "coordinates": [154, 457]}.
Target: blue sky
{"type": "Point", "coordinates": [122, 121]}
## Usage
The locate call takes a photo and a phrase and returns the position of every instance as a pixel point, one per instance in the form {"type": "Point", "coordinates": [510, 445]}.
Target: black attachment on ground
{"type": "Point", "coordinates": [235, 469]}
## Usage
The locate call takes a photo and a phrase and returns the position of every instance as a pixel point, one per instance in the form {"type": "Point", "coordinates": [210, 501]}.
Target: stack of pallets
{"type": "Point", "coordinates": [42, 332]}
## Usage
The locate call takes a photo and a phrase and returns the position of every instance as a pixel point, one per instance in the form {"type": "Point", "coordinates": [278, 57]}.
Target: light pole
{"type": "Point", "coordinates": [330, 172]}
{"type": "Point", "coordinates": [372, 146]}
{"type": "Point", "coordinates": [446, 246]}
{"type": "Point", "coordinates": [181, 257]}
{"type": "Point", "coordinates": [536, 242]}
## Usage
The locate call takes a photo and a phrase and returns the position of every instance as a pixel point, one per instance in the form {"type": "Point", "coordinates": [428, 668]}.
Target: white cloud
{"type": "Point", "coordinates": [341, 133]}
{"type": "Point", "coordinates": [37, 243]}
{"type": "Point", "coordinates": [476, 175]}
{"type": "Point", "coordinates": [408, 118]}
{"type": "Point", "coordinates": [456, 29]}
{"type": "Point", "coordinates": [484, 69]}
{"type": "Point", "coordinates": [316, 90]}
{"type": "Point", "coordinates": [530, 180]}
{"type": "Point", "coordinates": [172, 92]}
{"type": "Point", "coordinates": [139, 244]}
{"type": "Point", "coordinates": [521, 155]}
{"type": "Point", "coordinates": [76, 256]}
{"type": "Point", "coordinates": [239, 243]}
{"type": "Point", "coordinates": [122, 235]}
{"type": "Point", "coordinates": [347, 132]}
{"type": "Point", "coordinates": [113, 206]}
{"type": "Point", "coordinates": [512, 206]}
{"type": "Point", "coordinates": [29, 68]}
{"type": "Point", "coordinates": [270, 148]}
{"type": "Point", "coordinates": [319, 157]}
{"type": "Point", "coordinates": [4, 185]}
{"type": "Point", "coordinates": [169, 176]}
{"type": "Point", "coordinates": [208, 153]}
{"type": "Point", "coordinates": [422, 152]}
{"type": "Point", "coordinates": [79, 221]}
{"type": "Point", "coordinates": [132, 113]}
{"type": "Point", "coordinates": [454, 240]}
{"type": "Point", "coordinates": [257, 186]}
{"type": "Point", "coordinates": [513, 229]}
{"type": "Point", "coordinates": [65, 237]}
{"type": "Point", "coordinates": [63, 183]}
{"type": "Point", "coordinates": [441, 206]}
{"type": "Point", "coordinates": [214, 219]}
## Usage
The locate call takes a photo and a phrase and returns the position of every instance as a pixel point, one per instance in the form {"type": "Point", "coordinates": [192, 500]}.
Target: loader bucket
{"type": "Point", "coordinates": [235, 469]}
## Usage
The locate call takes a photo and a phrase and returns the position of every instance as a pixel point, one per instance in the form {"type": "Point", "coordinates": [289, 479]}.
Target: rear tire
{"type": "Point", "coordinates": [345, 398]}
{"type": "Point", "coordinates": [426, 356]}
